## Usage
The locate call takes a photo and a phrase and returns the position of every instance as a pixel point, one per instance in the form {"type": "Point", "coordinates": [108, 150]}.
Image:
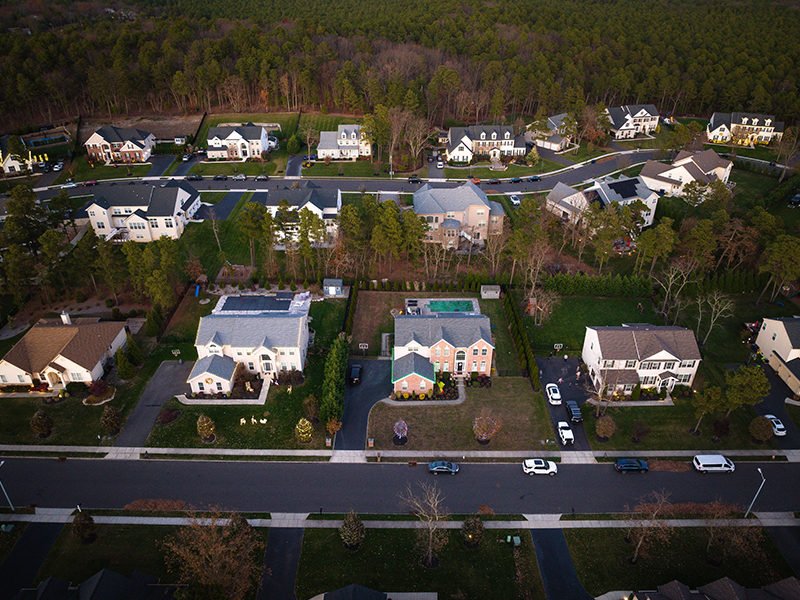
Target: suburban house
{"type": "Point", "coordinates": [57, 352]}
{"type": "Point", "coordinates": [620, 358]}
{"type": "Point", "coordinates": [744, 128]}
{"type": "Point", "coordinates": [424, 345]}
{"type": "Point", "coordinates": [113, 144]}
{"type": "Point", "coordinates": [323, 202]}
{"type": "Point", "coordinates": [103, 585]}
{"type": "Point", "coordinates": [779, 342]}
{"type": "Point", "coordinates": [239, 142]}
{"type": "Point", "coordinates": [494, 141]}
{"type": "Point", "coordinates": [631, 120]}
{"type": "Point", "coordinates": [722, 589]}
{"type": "Point", "coordinates": [566, 203]}
{"type": "Point", "coordinates": [11, 164]}
{"type": "Point", "coordinates": [625, 191]}
{"type": "Point", "coordinates": [348, 141]}
{"type": "Point", "coordinates": [265, 333]}
{"type": "Point", "coordinates": [704, 166]}
{"type": "Point", "coordinates": [144, 213]}
{"type": "Point", "coordinates": [453, 213]}
{"type": "Point", "coordinates": [555, 137]}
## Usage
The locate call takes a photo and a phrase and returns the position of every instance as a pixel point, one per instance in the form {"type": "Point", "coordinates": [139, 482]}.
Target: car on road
{"type": "Point", "coordinates": [553, 393]}
{"type": "Point", "coordinates": [534, 178]}
{"type": "Point", "coordinates": [440, 165]}
{"type": "Point", "coordinates": [494, 181]}
{"type": "Point", "coordinates": [624, 465]}
{"type": "Point", "coordinates": [515, 200]}
{"type": "Point", "coordinates": [220, 177]}
{"type": "Point", "coordinates": [515, 180]}
{"type": "Point", "coordinates": [355, 374]}
{"type": "Point", "coordinates": [58, 166]}
{"type": "Point", "coordinates": [414, 179]}
{"type": "Point", "coordinates": [240, 177]}
{"type": "Point", "coordinates": [442, 466]}
{"type": "Point", "coordinates": [262, 177]}
{"type": "Point", "coordinates": [90, 182]}
{"type": "Point", "coordinates": [538, 466]}
{"type": "Point", "coordinates": [194, 177]}
{"type": "Point", "coordinates": [795, 201]}
{"type": "Point", "coordinates": [187, 157]}
{"type": "Point", "coordinates": [573, 411]}
{"type": "Point", "coordinates": [715, 463]}
{"type": "Point", "coordinates": [565, 433]}
{"type": "Point", "coordinates": [476, 180]}
{"type": "Point", "coordinates": [777, 425]}
{"type": "Point", "coordinates": [69, 185]}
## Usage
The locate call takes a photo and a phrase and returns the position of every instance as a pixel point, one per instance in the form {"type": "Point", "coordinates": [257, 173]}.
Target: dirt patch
{"type": "Point", "coordinates": [673, 466]}
{"type": "Point", "coordinates": [164, 128]}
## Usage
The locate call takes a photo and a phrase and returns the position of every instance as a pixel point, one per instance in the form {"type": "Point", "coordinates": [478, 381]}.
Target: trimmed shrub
{"type": "Point", "coordinates": [42, 423]}
{"type": "Point", "coordinates": [111, 419]}
{"type": "Point", "coordinates": [135, 354]}
{"type": "Point", "coordinates": [472, 531]}
{"type": "Point", "coordinates": [761, 429]}
{"type": "Point", "coordinates": [152, 327]}
{"type": "Point", "coordinates": [205, 427]}
{"type": "Point", "coordinates": [83, 526]}
{"type": "Point", "coordinates": [125, 369]}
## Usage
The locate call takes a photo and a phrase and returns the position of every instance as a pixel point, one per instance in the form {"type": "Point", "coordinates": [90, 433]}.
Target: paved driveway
{"type": "Point", "coordinates": [551, 371]}
{"type": "Point", "coordinates": [281, 560]}
{"type": "Point", "coordinates": [222, 209]}
{"type": "Point", "coordinates": [183, 167]}
{"type": "Point", "coordinates": [774, 404]}
{"type": "Point", "coordinates": [294, 166]}
{"type": "Point", "coordinates": [555, 564]}
{"type": "Point", "coordinates": [28, 554]}
{"type": "Point", "coordinates": [159, 165]}
{"type": "Point", "coordinates": [359, 399]}
{"type": "Point", "coordinates": [169, 381]}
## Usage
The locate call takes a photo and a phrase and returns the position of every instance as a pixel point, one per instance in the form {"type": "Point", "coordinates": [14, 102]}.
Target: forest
{"type": "Point", "coordinates": [446, 61]}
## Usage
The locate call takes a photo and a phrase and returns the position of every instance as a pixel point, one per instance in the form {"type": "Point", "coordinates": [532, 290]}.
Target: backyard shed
{"type": "Point", "coordinates": [332, 287]}
{"type": "Point", "coordinates": [490, 292]}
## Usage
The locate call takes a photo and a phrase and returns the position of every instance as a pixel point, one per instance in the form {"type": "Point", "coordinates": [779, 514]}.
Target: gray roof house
{"type": "Point", "coordinates": [625, 191]}
{"type": "Point", "coordinates": [103, 585]}
{"type": "Point", "coordinates": [723, 589]}
{"type": "Point", "coordinates": [744, 128]}
{"type": "Point", "coordinates": [705, 166]}
{"type": "Point", "coordinates": [238, 142]}
{"type": "Point", "coordinates": [630, 120]}
{"type": "Point", "coordinates": [110, 144]}
{"type": "Point", "coordinates": [347, 142]}
{"type": "Point", "coordinates": [323, 202]}
{"type": "Point", "coordinates": [778, 341]}
{"type": "Point", "coordinates": [566, 202]}
{"type": "Point", "coordinates": [554, 137]}
{"type": "Point", "coordinates": [494, 141]}
{"type": "Point", "coordinates": [332, 287]}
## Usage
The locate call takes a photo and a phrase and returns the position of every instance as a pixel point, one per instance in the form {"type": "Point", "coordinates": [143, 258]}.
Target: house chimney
{"type": "Point", "coordinates": [65, 318]}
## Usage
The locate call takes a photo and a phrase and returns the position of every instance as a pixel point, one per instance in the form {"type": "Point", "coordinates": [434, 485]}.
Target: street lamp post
{"type": "Point", "coordinates": [2, 462]}
{"type": "Point", "coordinates": [758, 491]}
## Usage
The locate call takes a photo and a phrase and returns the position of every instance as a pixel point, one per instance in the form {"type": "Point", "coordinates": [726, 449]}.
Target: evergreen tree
{"type": "Point", "coordinates": [42, 423]}
{"type": "Point", "coordinates": [352, 530]}
{"type": "Point", "coordinates": [124, 367]}
{"type": "Point", "coordinates": [135, 354]}
{"type": "Point", "coordinates": [152, 326]}
{"type": "Point", "coordinates": [111, 419]}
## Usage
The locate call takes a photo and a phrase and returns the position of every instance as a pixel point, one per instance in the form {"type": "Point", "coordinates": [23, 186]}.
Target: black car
{"type": "Point", "coordinates": [414, 179]}
{"type": "Point", "coordinates": [442, 466]}
{"type": "Point", "coordinates": [573, 411]}
{"type": "Point", "coordinates": [220, 177]}
{"type": "Point", "coordinates": [623, 465]}
{"type": "Point", "coordinates": [534, 178]}
{"type": "Point", "coordinates": [515, 180]}
{"type": "Point", "coordinates": [262, 178]}
{"type": "Point", "coordinates": [355, 374]}
{"type": "Point", "coordinates": [194, 177]}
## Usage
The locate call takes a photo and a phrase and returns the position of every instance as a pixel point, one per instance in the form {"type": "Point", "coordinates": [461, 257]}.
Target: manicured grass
{"type": "Point", "coordinates": [173, 165]}
{"type": "Point", "coordinates": [212, 197]}
{"type": "Point", "coordinates": [567, 325]}
{"type": "Point", "coordinates": [282, 410]}
{"type": "Point", "coordinates": [642, 143]}
{"type": "Point", "coordinates": [287, 121]}
{"type": "Point", "coordinates": [505, 355]}
{"type": "Point", "coordinates": [583, 153]}
{"type": "Point", "coordinates": [687, 120]}
{"type": "Point", "coordinates": [600, 558]}
{"type": "Point", "coordinates": [750, 186]}
{"type": "Point", "coordinates": [81, 169]}
{"type": "Point", "coordinates": [210, 168]}
{"type": "Point", "coordinates": [669, 428]}
{"type": "Point", "coordinates": [484, 172]}
{"type": "Point", "coordinates": [759, 152]}
{"type": "Point", "coordinates": [794, 412]}
{"type": "Point", "coordinates": [322, 122]}
{"type": "Point", "coordinates": [8, 539]}
{"type": "Point", "coordinates": [348, 168]}
{"type": "Point", "coordinates": [511, 400]}
{"type": "Point", "coordinates": [631, 171]}
{"type": "Point", "coordinates": [387, 561]}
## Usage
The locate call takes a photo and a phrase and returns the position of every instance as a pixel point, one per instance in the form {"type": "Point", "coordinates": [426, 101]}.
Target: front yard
{"type": "Point", "coordinates": [209, 168]}
{"type": "Point", "coordinates": [81, 169]}
{"type": "Point", "coordinates": [510, 400]}
{"type": "Point", "coordinates": [483, 172]}
{"type": "Point", "coordinates": [344, 168]}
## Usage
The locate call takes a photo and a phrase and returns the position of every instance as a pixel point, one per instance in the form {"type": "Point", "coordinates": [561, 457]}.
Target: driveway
{"type": "Point", "coordinates": [294, 166]}
{"type": "Point", "coordinates": [375, 385]}
{"type": "Point", "coordinates": [561, 159]}
{"type": "Point", "coordinates": [159, 165]}
{"type": "Point", "coordinates": [28, 554]}
{"type": "Point", "coordinates": [774, 404]}
{"type": "Point", "coordinates": [280, 564]}
{"type": "Point", "coordinates": [555, 564]}
{"type": "Point", "coordinates": [183, 167]}
{"type": "Point", "coordinates": [222, 209]}
{"type": "Point", "coordinates": [169, 381]}
{"type": "Point", "coordinates": [550, 372]}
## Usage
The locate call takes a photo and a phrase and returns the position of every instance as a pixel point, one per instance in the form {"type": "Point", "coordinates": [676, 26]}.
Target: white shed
{"type": "Point", "coordinates": [332, 287]}
{"type": "Point", "coordinates": [490, 292]}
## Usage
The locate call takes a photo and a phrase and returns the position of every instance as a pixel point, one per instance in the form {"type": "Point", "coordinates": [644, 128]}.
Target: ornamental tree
{"type": "Point", "coordinates": [472, 530]}
{"type": "Point", "coordinates": [111, 420]}
{"type": "Point", "coordinates": [352, 530]}
{"type": "Point", "coordinates": [401, 428]}
{"type": "Point", "coordinates": [205, 427]}
{"type": "Point", "coordinates": [42, 423]}
{"type": "Point", "coordinates": [304, 430]}
{"type": "Point", "coordinates": [761, 428]}
{"type": "Point", "coordinates": [605, 427]}
{"type": "Point", "coordinates": [83, 526]}
{"type": "Point", "coordinates": [485, 426]}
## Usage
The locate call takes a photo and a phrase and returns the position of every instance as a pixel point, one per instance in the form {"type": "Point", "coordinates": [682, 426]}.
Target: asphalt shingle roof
{"type": "Point", "coordinates": [214, 364]}
{"type": "Point", "coordinates": [619, 114]}
{"type": "Point", "coordinates": [113, 134]}
{"type": "Point", "coordinates": [461, 330]}
{"type": "Point", "coordinates": [412, 363]}
{"type": "Point", "coordinates": [248, 131]}
{"type": "Point", "coordinates": [428, 200]}
{"type": "Point", "coordinates": [270, 330]}
{"type": "Point", "coordinates": [641, 341]}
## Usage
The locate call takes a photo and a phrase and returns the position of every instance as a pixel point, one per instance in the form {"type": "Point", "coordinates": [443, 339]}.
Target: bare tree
{"type": "Point", "coordinates": [545, 303]}
{"type": "Point", "coordinates": [494, 248]}
{"type": "Point", "coordinates": [649, 526]}
{"type": "Point", "coordinates": [673, 279]}
{"type": "Point", "coordinates": [212, 216]}
{"type": "Point", "coordinates": [397, 125]}
{"type": "Point", "coordinates": [720, 307]}
{"type": "Point", "coordinates": [416, 135]}
{"type": "Point", "coordinates": [429, 507]}
{"type": "Point", "coordinates": [310, 134]}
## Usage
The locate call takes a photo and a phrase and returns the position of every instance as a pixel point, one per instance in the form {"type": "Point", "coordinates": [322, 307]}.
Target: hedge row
{"type": "Point", "coordinates": [521, 342]}
{"type": "Point", "coordinates": [731, 282]}
{"type": "Point", "coordinates": [351, 310]}
{"type": "Point", "coordinates": [333, 380]}
{"type": "Point", "coordinates": [605, 285]}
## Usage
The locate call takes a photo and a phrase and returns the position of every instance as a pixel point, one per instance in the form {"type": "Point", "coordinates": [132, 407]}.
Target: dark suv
{"type": "Point", "coordinates": [624, 465]}
{"type": "Point", "coordinates": [355, 374]}
{"type": "Point", "coordinates": [573, 412]}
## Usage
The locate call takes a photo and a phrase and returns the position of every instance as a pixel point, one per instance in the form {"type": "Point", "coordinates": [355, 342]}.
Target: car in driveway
{"type": "Point", "coordinates": [194, 177]}
{"type": "Point", "coordinates": [538, 466]}
{"type": "Point", "coordinates": [442, 466]}
{"type": "Point", "coordinates": [777, 425]}
{"type": "Point", "coordinates": [515, 200]}
{"type": "Point", "coordinates": [565, 433]}
{"type": "Point", "coordinates": [240, 177]}
{"type": "Point", "coordinates": [58, 166]}
{"type": "Point", "coordinates": [534, 178]}
{"type": "Point", "coordinates": [310, 157]}
{"type": "Point", "coordinates": [355, 375]}
{"type": "Point", "coordinates": [414, 179]}
{"type": "Point", "coordinates": [553, 393]}
{"type": "Point", "coordinates": [220, 177]}
{"type": "Point", "coordinates": [625, 465]}
{"type": "Point", "coordinates": [440, 165]}
{"type": "Point", "coordinates": [262, 177]}
{"type": "Point", "coordinates": [573, 411]}
{"type": "Point", "coordinates": [186, 157]}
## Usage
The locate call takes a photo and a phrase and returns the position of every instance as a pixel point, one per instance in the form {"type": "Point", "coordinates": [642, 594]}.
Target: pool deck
{"type": "Point", "coordinates": [425, 309]}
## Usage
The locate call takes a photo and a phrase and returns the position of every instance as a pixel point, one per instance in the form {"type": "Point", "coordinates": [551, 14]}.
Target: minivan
{"type": "Point", "coordinates": [713, 462]}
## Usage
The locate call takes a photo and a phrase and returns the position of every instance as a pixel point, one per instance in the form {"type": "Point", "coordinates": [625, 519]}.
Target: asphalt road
{"type": "Point", "coordinates": [374, 487]}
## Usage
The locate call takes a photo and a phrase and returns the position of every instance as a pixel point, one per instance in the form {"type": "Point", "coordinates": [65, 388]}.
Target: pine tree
{"type": "Point", "coordinates": [472, 531]}
{"type": "Point", "coordinates": [83, 526]}
{"type": "Point", "coordinates": [352, 530]}
{"type": "Point", "coordinates": [205, 427]}
{"type": "Point", "coordinates": [304, 430]}
{"type": "Point", "coordinates": [152, 327]}
{"type": "Point", "coordinates": [124, 367]}
{"type": "Point", "coordinates": [135, 354]}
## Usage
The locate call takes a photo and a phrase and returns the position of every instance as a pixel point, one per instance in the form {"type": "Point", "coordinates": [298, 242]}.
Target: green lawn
{"type": "Point", "coordinates": [209, 168]}
{"type": "Point", "coordinates": [600, 558]}
{"type": "Point", "coordinates": [567, 325]}
{"type": "Point", "coordinates": [505, 355]}
{"type": "Point", "coordinates": [520, 410]}
{"type": "Point", "coordinates": [583, 153]}
{"type": "Point", "coordinates": [794, 412]}
{"type": "Point", "coordinates": [484, 172]}
{"type": "Point", "coordinates": [322, 122]}
{"type": "Point", "coordinates": [687, 120]}
{"type": "Point", "coordinates": [282, 410]}
{"type": "Point", "coordinates": [174, 165]}
{"type": "Point", "coordinates": [287, 121]}
{"type": "Point", "coordinates": [386, 561]}
{"type": "Point", "coordinates": [359, 168]}
{"type": "Point", "coordinates": [212, 197]}
{"type": "Point", "coordinates": [631, 171]}
{"type": "Point", "coordinates": [642, 143]}
{"type": "Point", "coordinates": [82, 170]}
{"type": "Point", "coordinates": [759, 152]}
{"type": "Point", "coordinates": [750, 186]}
{"type": "Point", "coordinates": [8, 539]}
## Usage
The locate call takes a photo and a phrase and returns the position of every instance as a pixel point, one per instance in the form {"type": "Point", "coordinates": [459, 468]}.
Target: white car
{"type": "Point", "coordinates": [565, 433]}
{"type": "Point", "coordinates": [187, 157]}
{"type": "Point", "coordinates": [537, 466]}
{"type": "Point", "coordinates": [240, 177]}
{"type": "Point", "coordinates": [440, 165]}
{"type": "Point", "coordinates": [777, 426]}
{"type": "Point", "coordinates": [58, 166]}
{"type": "Point", "coordinates": [515, 200]}
{"type": "Point", "coordinates": [553, 393]}
{"type": "Point", "coordinates": [70, 185]}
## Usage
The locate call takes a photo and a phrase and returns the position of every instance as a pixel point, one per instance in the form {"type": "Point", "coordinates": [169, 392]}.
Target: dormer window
{"type": "Point", "coordinates": [507, 135]}
{"type": "Point", "coordinates": [344, 135]}
{"type": "Point", "coordinates": [755, 121]}
{"type": "Point", "coordinates": [744, 120]}
{"type": "Point", "coordinates": [494, 135]}
{"type": "Point", "coordinates": [483, 135]}
{"type": "Point", "coordinates": [768, 122]}
{"type": "Point", "coordinates": [353, 135]}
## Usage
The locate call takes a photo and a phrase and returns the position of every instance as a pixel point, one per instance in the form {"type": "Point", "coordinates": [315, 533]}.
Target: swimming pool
{"type": "Point", "coordinates": [451, 306]}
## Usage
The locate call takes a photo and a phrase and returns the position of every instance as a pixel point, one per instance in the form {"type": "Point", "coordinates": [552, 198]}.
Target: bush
{"type": "Point", "coordinates": [293, 286]}
{"type": "Point", "coordinates": [83, 526]}
{"type": "Point", "coordinates": [42, 423]}
{"type": "Point", "coordinates": [109, 302]}
{"type": "Point", "coordinates": [80, 296]}
{"type": "Point", "coordinates": [116, 314]}
{"type": "Point", "coordinates": [98, 388]}
{"type": "Point", "coordinates": [472, 531]}
{"type": "Point", "coordinates": [605, 427]}
{"type": "Point", "coordinates": [761, 428]}
{"type": "Point", "coordinates": [111, 420]}
{"type": "Point", "coordinates": [637, 392]}
{"type": "Point", "coordinates": [352, 530]}
{"type": "Point", "coordinates": [135, 354]}
{"type": "Point", "coordinates": [152, 327]}
{"type": "Point", "coordinates": [76, 388]}
{"type": "Point", "coordinates": [205, 427]}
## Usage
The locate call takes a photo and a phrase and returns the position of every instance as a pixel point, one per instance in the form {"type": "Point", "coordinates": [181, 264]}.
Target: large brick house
{"type": "Point", "coordinates": [115, 144]}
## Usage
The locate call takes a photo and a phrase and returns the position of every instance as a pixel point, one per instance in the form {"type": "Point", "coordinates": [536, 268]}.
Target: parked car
{"type": "Point", "coordinates": [442, 466]}
{"type": "Point", "coordinates": [476, 180]}
{"type": "Point", "coordinates": [220, 177]}
{"type": "Point", "coordinates": [515, 200]}
{"type": "Point", "coordinates": [69, 185]}
{"type": "Point", "coordinates": [494, 181]}
{"type": "Point", "coordinates": [194, 177]}
{"type": "Point", "coordinates": [262, 177]}
{"type": "Point", "coordinates": [89, 182]}
{"type": "Point", "coordinates": [310, 157]}
{"type": "Point", "coordinates": [515, 180]}
{"type": "Point", "coordinates": [623, 465]}
{"type": "Point", "coordinates": [240, 177]}
{"type": "Point", "coordinates": [795, 201]}
{"type": "Point", "coordinates": [355, 374]}
{"type": "Point", "coordinates": [414, 179]}
{"type": "Point", "coordinates": [534, 178]}
{"type": "Point", "coordinates": [187, 157]}
{"type": "Point", "coordinates": [538, 466]}
{"type": "Point", "coordinates": [58, 166]}
{"type": "Point", "coordinates": [440, 165]}
{"type": "Point", "coordinates": [715, 463]}
{"type": "Point", "coordinates": [777, 426]}
{"type": "Point", "coordinates": [553, 393]}
{"type": "Point", "coordinates": [565, 433]}
{"type": "Point", "coordinates": [573, 411]}
{"type": "Point", "coordinates": [430, 157]}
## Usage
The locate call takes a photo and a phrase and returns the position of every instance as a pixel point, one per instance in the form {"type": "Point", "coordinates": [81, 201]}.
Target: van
{"type": "Point", "coordinates": [573, 412]}
{"type": "Point", "coordinates": [713, 462]}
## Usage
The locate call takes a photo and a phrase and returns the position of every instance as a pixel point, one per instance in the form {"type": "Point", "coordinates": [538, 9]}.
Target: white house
{"type": "Point", "coordinates": [779, 342]}
{"type": "Point", "coordinates": [57, 352]}
{"type": "Point", "coordinates": [620, 358]}
{"type": "Point", "coordinates": [238, 143]}
{"type": "Point", "coordinates": [323, 202]}
{"type": "Point", "coordinates": [494, 141]}
{"type": "Point", "coordinates": [631, 120]}
{"type": "Point", "coordinates": [348, 142]}
{"type": "Point", "coordinates": [625, 191]}
{"type": "Point", "coordinates": [566, 203]}
{"type": "Point", "coordinates": [704, 166]}
{"type": "Point", "coordinates": [267, 334]}
{"type": "Point", "coordinates": [112, 144]}
{"type": "Point", "coordinates": [143, 213]}
{"type": "Point", "coordinates": [555, 137]}
{"type": "Point", "coordinates": [743, 128]}
{"type": "Point", "coordinates": [10, 164]}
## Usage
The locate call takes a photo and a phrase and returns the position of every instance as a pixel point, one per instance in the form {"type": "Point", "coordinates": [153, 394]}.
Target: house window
{"type": "Point", "coordinates": [483, 366]}
{"type": "Point", "coordinates": [436, 366]}
{"type": "Point", "coordinates": [684, 378]}
{"type": "Point", "coordinates": [238, 353]}
{"type": "Point", "coordinates": [446, 366]}
{"type": "Point", "coordinates": [474, 365]}
{"type": "Point", "coordinates": [293, 366]}
{"type": "Point", "coordinates": [3, 379]}
{"type": "Point", "coordinates": [153, 223]}
{"type": "Point", "coordinates": [404, 385]}
{"type": "Point", "coordinates": [649, 380]}
{"type": "Point", "coordinates": [200, 386]}
{"type": "Point", "coordinates": [72, 376]}
{"type": "Point", "coordinates": [687, 364]}
{"type": "Point", "coordinates": [291, 352]}
{"type": "Point", "coordinates": [423, 385]}
{"type": "Point", "coordinates": [283, 366]}
{"type": "Point", "coordinates": [266, 366]}
{"type": "Point", "coordinates": [283, 352]}
{"type": "Point", "coordinates": [447, 351]}
{"type": "Point", "coordinates": [480, 212]}
{"type": "Point", "coordinates": [774, 335]}
{"type": "Point", "coordinates": [251, 366]}
{"type": "Point", "coordinates": [168, 222]}
{"type": "Point", "coordinates": [219, 386]}
{"type": "Point", "coordinates": [91, 214]}
{"type": "Point", "coordinates": [630, 364]}
{"type": "Point", "coordinates": [608, 364]}
{"type": "Point", "coordinates": [628, 387]}
{"type": "Point", "coordinates": [669, 366]}
{"type": "Point", "coordinates": [450, 215]}
{"type": "Point", "coordinates": [437, 352]}
{"type": "Point", "coordinates": [495, 219]}
{"type": "Point", "coordinates": [484, 352]}
{"type": "Point", "coordinates": [101, 225]}
{"type": "Point", "coordinates": [474, 352]}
